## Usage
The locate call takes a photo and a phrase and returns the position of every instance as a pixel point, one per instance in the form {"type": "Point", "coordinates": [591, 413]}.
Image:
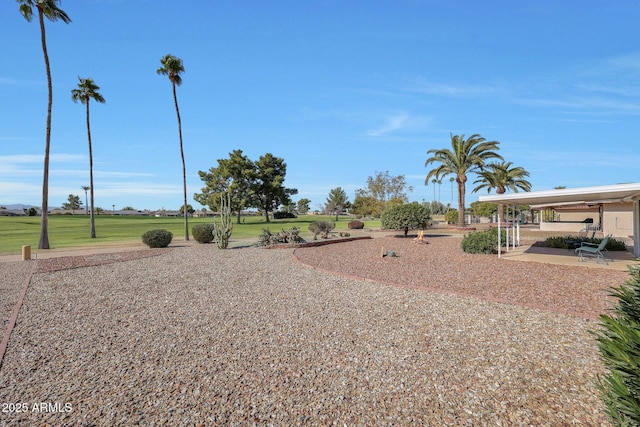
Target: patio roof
{"type": "Point", "coordinates": [627, 193]}
{"type": "Point", "coordinates": [568, 196]}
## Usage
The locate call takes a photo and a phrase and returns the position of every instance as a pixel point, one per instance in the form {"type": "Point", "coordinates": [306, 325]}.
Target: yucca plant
{"type": "Point", "coordinates": [619, 343]}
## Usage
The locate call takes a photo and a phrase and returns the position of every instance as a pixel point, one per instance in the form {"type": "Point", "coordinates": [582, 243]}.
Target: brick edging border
{"type": "Point", "coordinates": [14, 315]}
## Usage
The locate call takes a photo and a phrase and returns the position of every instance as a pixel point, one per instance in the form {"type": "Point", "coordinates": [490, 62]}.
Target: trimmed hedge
{"type": "Point", "coordinates": [483, 242]}
{"type": "Point", "coordinates": [159, 238]}
{"type": "Point", "coordinates": [203, 233]}
{"type": "Point", "coordinates": [283, 215]}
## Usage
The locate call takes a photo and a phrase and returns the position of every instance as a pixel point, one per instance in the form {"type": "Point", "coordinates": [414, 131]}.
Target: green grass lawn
{"type": "Point", "coordinates": [73, 231]}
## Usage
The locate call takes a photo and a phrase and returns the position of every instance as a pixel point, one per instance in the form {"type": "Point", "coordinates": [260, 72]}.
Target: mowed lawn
{"type": "Point", "coordinates": [73, 230]}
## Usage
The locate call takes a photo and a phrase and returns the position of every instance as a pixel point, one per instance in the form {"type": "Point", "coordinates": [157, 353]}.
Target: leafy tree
{"type": "Point", "coordinates": [367, 206]}
{"type": "Point", "coordinates": [50, 10]}
{"type": "Point", "coordinates": [437, 208]}
{"type": "Point", "coordinates": [465, 156]}
{"type": "Point", "coordinates": [128, 208]}
{"type": "Point", "coordinates": [190, 209]}
{"type": "Point", "coordinates": [268, 190]}
{"type": "Point", "coordinates": [484, 209]}
{"type": "Point", "coordinates": [32, 211]}
{"type": "Point", "coordinates": [502, 177]}
{"type": "Point", "coordinates": [384, 187]}
{"type": "Point", "coordinates": [337, 202]}
{"type": "Point", "coordinates": [250, 184]}
{"type": "Point", "coordinates": [73, 203]}
{"type": "Point", "coordinates": [303, 206]}
{"type": "Point", "coordinates": [86, 91]}
{"type": "Point", "coordinates": [172, 67]}
{"type": "Point", "coordinates": [233, 176]}
{"type": "Point", "coordinates": [406, 216]}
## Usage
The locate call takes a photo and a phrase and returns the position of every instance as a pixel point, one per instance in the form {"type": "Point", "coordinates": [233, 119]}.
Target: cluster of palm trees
{"type": "Point", "coordinates": [86, 91]}
{"type": "Point", "coordinates": [473, 155]}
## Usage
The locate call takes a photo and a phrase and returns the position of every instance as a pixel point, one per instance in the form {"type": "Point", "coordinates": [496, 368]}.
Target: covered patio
{"type": "Point", "coordinates": [612, 200]}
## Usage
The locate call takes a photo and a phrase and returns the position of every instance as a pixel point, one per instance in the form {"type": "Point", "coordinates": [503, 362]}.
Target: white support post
{"type": "Point", "coordinates": [499, 235]}
{"type": "Point", "coordinates": [507, 229]}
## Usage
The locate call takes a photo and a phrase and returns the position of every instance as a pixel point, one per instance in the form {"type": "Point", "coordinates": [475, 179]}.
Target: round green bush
{"type": "Point", "coordinates": [356, 225]}
{"type": "Point", "coordinates": [451, 217]}
{"type": "Point", "coordinates": [481, 242]}
{"type": "Point", "coordinates": [202, 233]}
{"type": "Point", "coordinates": [159, 238]}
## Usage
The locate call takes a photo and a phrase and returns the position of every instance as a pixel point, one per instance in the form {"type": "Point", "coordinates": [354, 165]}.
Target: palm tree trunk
{"type": "Point", "coordinates": [44, 230]}
{"type": "Point", "coordinates": [92, 232]}
{"type": "Point", "coordinates": [184, 167]}
{"type": "Point", "coordinates": [461, 194]}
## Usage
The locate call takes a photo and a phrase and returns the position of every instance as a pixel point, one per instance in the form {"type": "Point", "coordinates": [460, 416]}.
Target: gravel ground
{"type": "Point", "coordinates": [13, 277]}
{"type": "Point", "coordinates": [442, 266]}
{"type": "Point", "coordinates": [198, 336]}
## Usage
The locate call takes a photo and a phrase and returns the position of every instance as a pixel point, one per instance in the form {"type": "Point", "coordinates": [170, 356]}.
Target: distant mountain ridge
{"type": "Point", "coordinates": [17, 206]}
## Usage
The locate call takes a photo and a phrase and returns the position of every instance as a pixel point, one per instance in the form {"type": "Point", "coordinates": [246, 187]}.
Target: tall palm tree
{"type": "Point", "coordinates": [50, 10]}
{"type": "Point", "coordinates": [502, 177]}
{"type": "Point", "coordinates": [466, 156]}
{"type": "Point", "coordinates": [86, 91]}
{"type": "Point", "coordinates": [85, 188]}
{"type": "Point", "coordinates": [172, 67]}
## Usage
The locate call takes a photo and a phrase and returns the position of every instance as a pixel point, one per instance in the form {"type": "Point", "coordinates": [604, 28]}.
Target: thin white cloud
{"type": "Point", "coordinates": [399, 121]}
{"type": "Point", "coordinates": [39, 158]}
{"type": "Point", "coordinates": [16, 82]}
{"type": "Point", "coordinates": [392, 123]}
{"type": "Point", "coordinates": [421, 85]}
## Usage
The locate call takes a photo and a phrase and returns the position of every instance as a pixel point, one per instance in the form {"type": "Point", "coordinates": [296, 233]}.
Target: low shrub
{"type": "Point", "coordinates": [291, 235]}
{"type": "Point", "coordinates": [562, 242]}
{"type": "Point", "coordinates": [321, 227]}
{"type": "Point", "coordinates": [283, 215]}
{"type": "Point", "coordinates": [483, 242]}
{"type": "Point", "coordinates": [159, 238]}
{"type": "Point", "coordinates": [619, 344]}
{"type": "Point", "coordinates": [452, 216]}
{"type": "Point", "coordinates": [356, 225]}
{"type": "Point", "coordinates": [203, 233]}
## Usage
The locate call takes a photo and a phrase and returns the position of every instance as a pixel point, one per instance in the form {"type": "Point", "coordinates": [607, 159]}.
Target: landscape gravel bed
{"type": "Point", "coordinates": [441, 265]}
{"type": "Point", "coordinates": [200, 336]}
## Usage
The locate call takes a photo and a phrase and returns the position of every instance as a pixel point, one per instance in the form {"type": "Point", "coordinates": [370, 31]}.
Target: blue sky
{"type": "Point", "coordinates": [339, 89]}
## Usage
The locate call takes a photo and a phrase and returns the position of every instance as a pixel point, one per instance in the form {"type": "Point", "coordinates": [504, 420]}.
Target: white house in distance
{"type": "Point", "coordinates": [613, 209]}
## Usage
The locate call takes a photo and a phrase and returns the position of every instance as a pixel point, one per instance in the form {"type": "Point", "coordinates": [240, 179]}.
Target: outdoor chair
{"type": "Point", "coordinates": [577, 242]}
{"type": "Point", "coordinates": [587, 249]}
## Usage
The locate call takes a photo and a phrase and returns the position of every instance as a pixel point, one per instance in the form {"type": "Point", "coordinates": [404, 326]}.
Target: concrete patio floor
{"type": "Point", "coordinates": [617, 260]}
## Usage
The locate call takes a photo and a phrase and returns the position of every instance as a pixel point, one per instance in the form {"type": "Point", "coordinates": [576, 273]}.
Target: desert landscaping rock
{"type": "Point", "coordinates": [200, 336]}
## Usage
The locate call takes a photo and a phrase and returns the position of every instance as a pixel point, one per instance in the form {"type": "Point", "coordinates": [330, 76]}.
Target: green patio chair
{"type": "Point", "coordinates": [587, 249]}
